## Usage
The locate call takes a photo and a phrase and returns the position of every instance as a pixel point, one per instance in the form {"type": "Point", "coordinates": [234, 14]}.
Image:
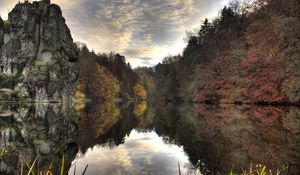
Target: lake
{"type": "Point", "coordinates": [143, 139]}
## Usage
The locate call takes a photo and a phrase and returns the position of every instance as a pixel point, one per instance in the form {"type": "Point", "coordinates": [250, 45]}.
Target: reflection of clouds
{"type": "Point", "coordinates": [155, 28]}
{"type": "Point", "coordinates": [142, 153]}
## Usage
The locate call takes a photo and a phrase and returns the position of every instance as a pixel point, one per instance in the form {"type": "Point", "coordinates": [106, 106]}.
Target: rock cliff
{"type": "Point", "coordinates": [38, 58]}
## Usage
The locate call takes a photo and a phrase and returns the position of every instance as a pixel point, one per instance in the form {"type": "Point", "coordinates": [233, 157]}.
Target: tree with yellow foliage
{"type": "Point", "coordinates": [140, 92]}
{"type": "Point", "coordinates": [139, 108]}
{"type": "Point", "coordinates": [104, 85]}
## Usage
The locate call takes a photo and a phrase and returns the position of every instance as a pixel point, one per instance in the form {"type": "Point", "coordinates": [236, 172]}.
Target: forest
{"type": "Point", "coordinates": [249, 54]}
{"type": "Point", "coordinates": [107, 77]}
{"type": "Point", "coordinates": [228, 103]}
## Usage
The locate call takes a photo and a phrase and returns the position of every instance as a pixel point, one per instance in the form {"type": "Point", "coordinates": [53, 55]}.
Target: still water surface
{"type": "Point", "coordinates": [142, 153]}
{"type": "Point", "coordinates": [143, 139]}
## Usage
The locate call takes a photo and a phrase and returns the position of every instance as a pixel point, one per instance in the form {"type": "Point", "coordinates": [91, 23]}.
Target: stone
{"type": "Point", "coordinates": [38, 58]}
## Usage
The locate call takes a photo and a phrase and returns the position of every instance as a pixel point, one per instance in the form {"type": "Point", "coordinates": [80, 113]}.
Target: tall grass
{"type": "Point", "coordinates": [49, 170]}
{"type": "Point", "coordinates": [257, 170]}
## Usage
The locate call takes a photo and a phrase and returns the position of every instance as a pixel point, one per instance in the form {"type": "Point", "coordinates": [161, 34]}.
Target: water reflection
{"type": "Point", "coordinates": [216, 138]}
{"type": "Point", "coordinates": [41, 131]}
{"type": "Point", "coordinates": [140, 138]}
{"type": "Point", "coordinates": [142, 153]}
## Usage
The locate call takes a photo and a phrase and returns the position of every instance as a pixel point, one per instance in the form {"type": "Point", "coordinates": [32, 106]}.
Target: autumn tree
{"type": "Point", "coordinates": [95, 81]}
{"type": "Point", "coordinates": [146, 79]}
{"type": "Point", "coordinates": [117, 65]}
{"type": "Point", "coordinates": [140, 92]}
{"type": "Point", "coordinates": [139, 108]}
{"type": "Point", "coordinates": [171, 59]}
{"type": "Point", "coordinates": [248, 54]}
{"type": "Point", "coordinates": [114, 65]}
{"type": "Point", "coordinates": [103, 84]}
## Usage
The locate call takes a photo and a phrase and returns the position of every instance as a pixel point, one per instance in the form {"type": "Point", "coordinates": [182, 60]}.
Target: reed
{"type": "Point", "coordinates": [49, 171]}
{"type": "Point", "coordinates": [256, 170]}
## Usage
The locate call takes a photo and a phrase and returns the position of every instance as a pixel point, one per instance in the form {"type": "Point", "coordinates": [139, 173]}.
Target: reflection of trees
{"type": "Point", "coordinates": [107, 124]}
{"type": "Point", "coordinates": [145, 120]}
{"type": "Point", "coordinates": [42, 130]}
{"type": "Point", "coordinates": [139, 108]}
{"type": "Point", "coordinates": [98, 123]}
{"type": "Point", "coordinates": [166, 121]}
{"type": "Point", "coordinates": [96, 120]}
{"type": "Point", "coordinates": [216, 138]}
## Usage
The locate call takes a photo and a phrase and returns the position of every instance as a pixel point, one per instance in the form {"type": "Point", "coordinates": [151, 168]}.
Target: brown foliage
{"type": "Point", "coordinates": [249, 56]}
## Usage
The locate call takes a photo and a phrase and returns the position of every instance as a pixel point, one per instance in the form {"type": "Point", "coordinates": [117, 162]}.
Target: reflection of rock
{"type": "Point", "coordinates": [220, 137]}
{"type": "Point", "coordinates": [37, 131]}
{"type": "Point", "coordinates": [38, 59]}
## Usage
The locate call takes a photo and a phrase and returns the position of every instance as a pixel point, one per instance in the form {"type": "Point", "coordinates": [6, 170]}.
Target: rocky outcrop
{"type": "Point", "coordinates": [38, 58]}
{"type": "Point", "coordinates": [1, 31]}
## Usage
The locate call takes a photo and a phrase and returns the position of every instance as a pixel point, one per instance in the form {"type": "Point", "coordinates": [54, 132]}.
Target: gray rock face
{"type": "Point", "coordinates": [38, 58]}
{"type": "Point", "coordinates": [1, 31]}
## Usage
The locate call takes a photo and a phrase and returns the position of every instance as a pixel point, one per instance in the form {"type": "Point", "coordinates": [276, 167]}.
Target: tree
{"type": "Point", "coordinates": [103, 84]}
{"type": "Point", "coordinates": [140, 92]}
{"type": "Point", "coordinates": [146, 79]}
{"type": "Point", "coordinates": [139, 108]}
{"type": "Point", "coordinates": [205, 31]}
{"type": "Point", "coordinates": [113, 63]}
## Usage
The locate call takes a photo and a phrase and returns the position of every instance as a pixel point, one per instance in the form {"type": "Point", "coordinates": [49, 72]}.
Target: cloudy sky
{"type": "Point", "coordinates": [144, 31]}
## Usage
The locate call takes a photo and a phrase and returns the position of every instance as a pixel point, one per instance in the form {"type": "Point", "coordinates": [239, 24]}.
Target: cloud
{"type": "Point", "coordinates": [153, 28]}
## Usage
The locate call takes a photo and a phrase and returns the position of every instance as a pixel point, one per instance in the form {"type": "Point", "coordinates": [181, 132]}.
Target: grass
{"type": "Point", "coordinates": [4, 151]}
{"type": "Point", "coordinates": [49, 170]}
{"type": "Point", "coordinates": [257, 170]}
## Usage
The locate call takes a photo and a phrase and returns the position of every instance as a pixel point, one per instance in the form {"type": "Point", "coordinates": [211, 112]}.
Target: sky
{"type": "Point", "coordinates": [144, 31]}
